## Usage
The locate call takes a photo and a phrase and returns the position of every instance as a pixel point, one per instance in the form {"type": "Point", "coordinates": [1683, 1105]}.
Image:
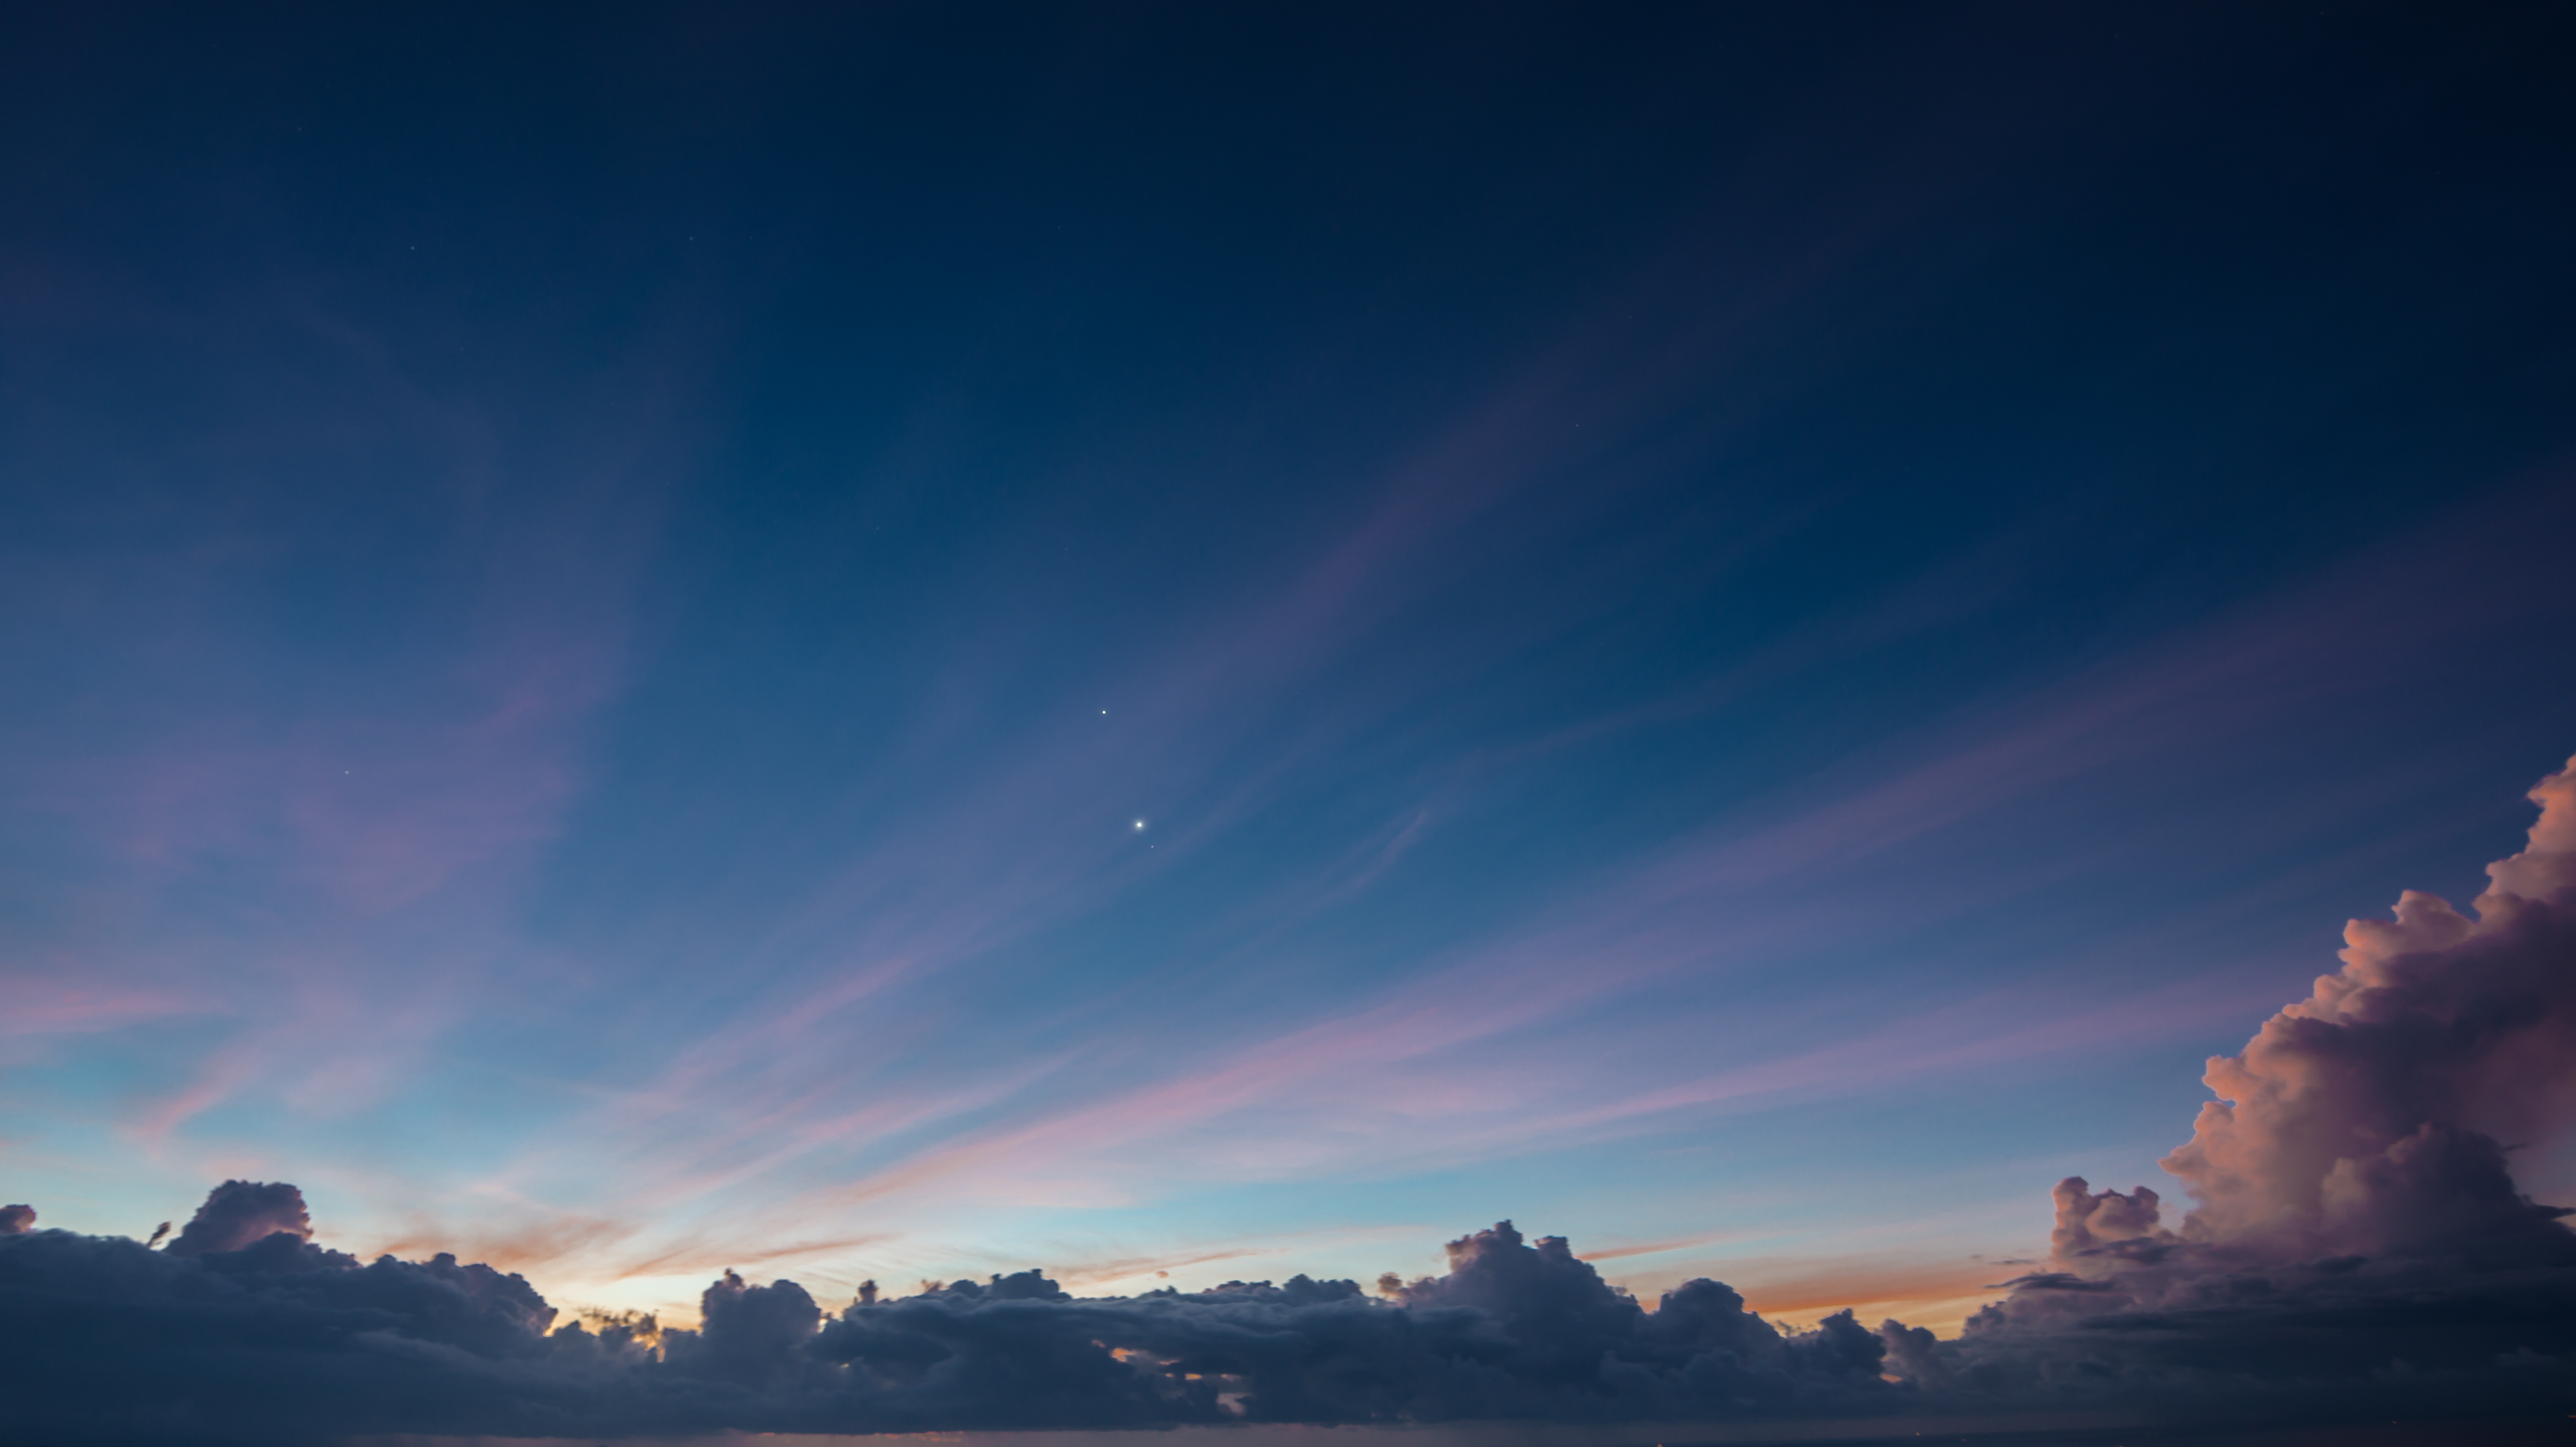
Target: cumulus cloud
{"type": "Point", "coordinates": [2373, 1116]}
{"type": "Point", "coordinates": [105, 1340]}
{"type": "Point", "coordinates": [2356, 1217]}
{"type": "Point", "coordinates": [1513, 1329]}
{"type": "Point", "coordinates": [2357, 1248]}
{"type": "Point", "coordinates": [2090, 1223]}
{"type": "Point", "coordinates": [282, 1340]}
{"type": "Point", "coordinates": [239, 1213]}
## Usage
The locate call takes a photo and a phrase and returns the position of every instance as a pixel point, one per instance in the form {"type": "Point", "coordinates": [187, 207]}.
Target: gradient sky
{"type": "Point", "coordinates": [1231, 640]}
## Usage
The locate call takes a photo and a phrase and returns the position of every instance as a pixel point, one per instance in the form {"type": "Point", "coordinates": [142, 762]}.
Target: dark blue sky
{"type": "Point", "coordinates": [969, 637]}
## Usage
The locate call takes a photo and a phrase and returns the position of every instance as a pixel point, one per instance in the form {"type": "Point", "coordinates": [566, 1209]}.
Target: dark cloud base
{"type": "Point", "coordinates": [105, 1341]}
{"type": "Point", "coordinates": [2360, 1259]}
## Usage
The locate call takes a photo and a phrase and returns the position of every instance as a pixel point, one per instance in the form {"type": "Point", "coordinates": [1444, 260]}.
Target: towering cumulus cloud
{"type": "Point", "coordinates": [2357, 1217]}
{"type": "Point", "coordinates": [2373, 1115]}
{"type": "Point", "coordinates": [2358, 1248]}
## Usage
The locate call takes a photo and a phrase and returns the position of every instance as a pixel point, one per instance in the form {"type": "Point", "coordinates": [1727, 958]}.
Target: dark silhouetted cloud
{"type": "Point", "coordinates": [240, 1213]}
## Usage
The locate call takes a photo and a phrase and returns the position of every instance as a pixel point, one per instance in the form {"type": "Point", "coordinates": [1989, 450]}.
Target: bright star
{"type": "Point", "coordinates": [1140, 823]}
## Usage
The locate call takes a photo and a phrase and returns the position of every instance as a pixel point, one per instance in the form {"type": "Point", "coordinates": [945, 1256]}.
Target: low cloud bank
{"type": "Point", "coordinates": [2359, 1249]}
{"type": "Point", "coordinates": [105, 1340]}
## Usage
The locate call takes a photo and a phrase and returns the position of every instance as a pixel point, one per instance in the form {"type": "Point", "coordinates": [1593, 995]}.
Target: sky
{"type": "Point", "coordinates": [1177, 644]}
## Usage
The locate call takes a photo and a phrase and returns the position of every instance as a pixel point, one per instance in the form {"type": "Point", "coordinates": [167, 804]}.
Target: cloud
{"type": "Point", "coordinates": [242, 1213]}
{"type": "Point", "coordinates": [2373, 1116]}
{"type": "Point", "coordinates": [2088, 1222]}
{"type": "Point", "coordinates": [2358, 1249]}
{"type": "Point", "coordinates": [1514, 1329]}
{"type": "Point", "coordinates": [2357, 1222]}
{"type": "Point", "coordinates": [104, 1340]}
{"type": "Point", "coordinates": [281, 1340]}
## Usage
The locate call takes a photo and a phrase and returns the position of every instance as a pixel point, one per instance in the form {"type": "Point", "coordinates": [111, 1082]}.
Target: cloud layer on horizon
{"type": "Point", "coordinates": [2359, 1248]}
